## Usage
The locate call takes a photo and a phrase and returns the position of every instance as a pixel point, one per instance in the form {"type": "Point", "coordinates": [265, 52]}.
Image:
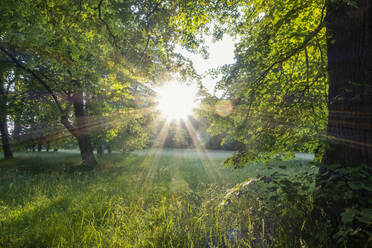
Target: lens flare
{"type": "Point", "coordinates": [224, 108]}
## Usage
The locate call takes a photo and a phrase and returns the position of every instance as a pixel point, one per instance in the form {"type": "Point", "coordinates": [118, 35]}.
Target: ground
{"type": "Point", "coordinates": [157, 198]}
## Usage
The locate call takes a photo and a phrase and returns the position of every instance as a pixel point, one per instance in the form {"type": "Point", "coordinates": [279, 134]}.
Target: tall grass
{"type": "Point", "coordinates": [167, 199]}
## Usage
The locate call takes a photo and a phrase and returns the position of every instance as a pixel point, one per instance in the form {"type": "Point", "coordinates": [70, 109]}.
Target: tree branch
{"type": "Point", "coordinates": [148, 16]}
{"type": "Point", "coordinates": [37, 77]}
{"type": "Point", "coordinates": [114, 38]}
{"type": "Point", "coordinates": [294, 51]}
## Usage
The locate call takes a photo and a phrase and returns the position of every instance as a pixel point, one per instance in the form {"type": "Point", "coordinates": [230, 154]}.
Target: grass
{"type": "Point", "coordinates": [164, 198]}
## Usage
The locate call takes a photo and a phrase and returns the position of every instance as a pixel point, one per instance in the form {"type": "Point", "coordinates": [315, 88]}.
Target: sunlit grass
{"type": "Point", "coordinates": [130, 201]}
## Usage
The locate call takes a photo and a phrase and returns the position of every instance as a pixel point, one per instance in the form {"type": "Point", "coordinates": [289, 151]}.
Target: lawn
{"type": "Point", "coordinates": [157, 198]}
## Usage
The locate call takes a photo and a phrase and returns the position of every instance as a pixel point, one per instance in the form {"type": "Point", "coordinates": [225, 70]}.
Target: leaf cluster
{"type": "Point", "coordinates": [277, 85]}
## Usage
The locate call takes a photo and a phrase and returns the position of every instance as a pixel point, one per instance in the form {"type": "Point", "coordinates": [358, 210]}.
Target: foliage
{"type": "Point", "coordinates": [92, 54]}
{"type": "Point", "coordinates": [86, 64]}
{"type": "Point", "coordinates": [277, 204]}
{"type": "Point", "coordinates": [277, 86]}
{"type": "Point", "coordinates": [350, 186]}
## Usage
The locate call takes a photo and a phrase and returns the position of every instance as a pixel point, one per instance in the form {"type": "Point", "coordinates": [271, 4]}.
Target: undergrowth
{"type": "Point", "coordinates": [158, 201]}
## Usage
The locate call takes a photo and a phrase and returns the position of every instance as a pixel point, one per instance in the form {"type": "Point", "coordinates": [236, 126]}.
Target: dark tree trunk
{"type": "Point", "coordinates": [39, 147]}
{"type": "Point", "coordinates": [4, 124]}
{"type": "Point", "coordinates": [350, 84]}
{"type": "Point", "coordinates": [47, 148]}
{"type": "Point", "coordinates": [86, 151]}
{"type": "Point", "coordinates": [16, 131]}
{"type": "Point", "coordinates": [109, 151]}
{"type": "Point", "coordinates": [81, 131]}
{"type": "Point", "coordinates": [100, 150]}
{"type": "Point", "coordinates": [101, 146]}
{"type": "Point", "coordinates": [349, 133]}
{"type": "Point", "coordinates": [5, 139]}
{"type": "Point", "coordinates": [33, 148]}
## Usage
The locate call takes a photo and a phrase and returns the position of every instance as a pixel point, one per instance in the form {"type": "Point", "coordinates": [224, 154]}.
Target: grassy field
{"type": "Point", "coordinates": [157, 198]}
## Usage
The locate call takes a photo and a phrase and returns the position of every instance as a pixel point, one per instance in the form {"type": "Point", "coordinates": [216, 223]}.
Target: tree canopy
{"type": "Point", "coordinates": [86, 55]}
{"type": "Point", "coordinates": [277, 86]}
{"type": "Point", "coordinates": [301, 82]}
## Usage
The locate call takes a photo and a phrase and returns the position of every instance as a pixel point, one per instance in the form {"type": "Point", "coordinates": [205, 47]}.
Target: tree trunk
{"type": "Point", "coordinates": [349, 133]}
{"type": "Point", "coordinates": [81, 131]}
{"type": "Point", "coordinates": [16, 131]}
{"type": "Point", "coordinates": [86, 151]}
{"type": "Point", "coordinates": [100, 150]}
{"type": "Point", "coordinates": [109, 150]}
{"type": "Point", "coordinates": [350, 84]}
{"type": "Point", "coordinates": [39, 147]}
{"type": "Point", "coordinates": [101, 146]}
{"type": "Point", "coordinates": [4, 124]}
{"type": "Point", "coordinates": [5, 139]}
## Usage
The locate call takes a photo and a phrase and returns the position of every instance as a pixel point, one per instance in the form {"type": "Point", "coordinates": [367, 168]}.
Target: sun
{"type": "Point", "coordinates": [176, 100]}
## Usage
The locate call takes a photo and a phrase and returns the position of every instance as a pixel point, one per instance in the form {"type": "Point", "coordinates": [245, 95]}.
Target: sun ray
{"type": "Point", "coordinates": [204, 157]}
{"type": "Point", "coordinates": [146, 173]}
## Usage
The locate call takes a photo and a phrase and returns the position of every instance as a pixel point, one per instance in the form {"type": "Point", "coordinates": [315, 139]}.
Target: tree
{"type": "Point", "coordinates": [275, 93]}
{"type": "Point", "coordinates": [302, 82]}
{"type": "Point", "coordinates": [347, 160]}
{"type": "Point", "coordinates": [350, 83]}
{"type": "Point", "coordinates": [5, 85]}
{"type": "Point", "coordinates": [76, 50]}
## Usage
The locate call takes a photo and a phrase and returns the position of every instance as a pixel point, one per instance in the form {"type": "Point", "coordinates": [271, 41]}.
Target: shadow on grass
{"type": "Point", "coordinates": [40, 203]}
{"type": "Point", "coordinates": [36, 163]}
{"type": "Point", "coordinates": [16, 232]}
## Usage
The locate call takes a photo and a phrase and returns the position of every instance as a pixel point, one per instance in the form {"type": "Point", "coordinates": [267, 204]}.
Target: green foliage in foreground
{"type": "Point", "coordinates": [167, 199]}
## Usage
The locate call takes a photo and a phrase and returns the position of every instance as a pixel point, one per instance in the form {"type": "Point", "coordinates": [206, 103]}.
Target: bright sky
{"type": "Point", "coordinates": [177, 100]}
{"type": "Point", "coordinates": [220, 53]}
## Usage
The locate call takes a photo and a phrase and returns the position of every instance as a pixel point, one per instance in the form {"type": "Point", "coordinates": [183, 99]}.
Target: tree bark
{"type": "Point", "coordinates": [101, 146]}
{"type": "Point", "coordinates": [5, 139]}
{"type": "Point", "coordinates": [4, 124]}
{"type": "Point", "coordinates": [39, 147]}
{"type": "Point", "coordinates": [81, 131]}
{"type": "Point", "coordinates": [349, 132]}
{"type": "Point", "coordinates": [100, 150]}
{"type": "Point", "coordinates": [16, 131]}
{"type": "Point", "coordinates": [86, 151]}
{"type": "Point", "coordinates": [349, 43]}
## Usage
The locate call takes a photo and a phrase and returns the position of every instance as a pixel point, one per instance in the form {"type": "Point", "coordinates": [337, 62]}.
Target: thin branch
{"type": "Point", "coordinates": [321, 64]}
{"type": "Point", "coordinates": [296, 50]}
{"type": "Point", "coordinates": [303, 45]}
{"type": "Point", "coordinates": [307, 65]}
{"type": "Point", "coordinates": [148, 16]}
{"type": "Point", "coordinates": [105, 23]}
{"type": "Point", "coordinates": [39, 79]}
{"type": "Point", "coordinates": [144, 50]}
{"type": "Point", "coordinates": [153, 10]}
